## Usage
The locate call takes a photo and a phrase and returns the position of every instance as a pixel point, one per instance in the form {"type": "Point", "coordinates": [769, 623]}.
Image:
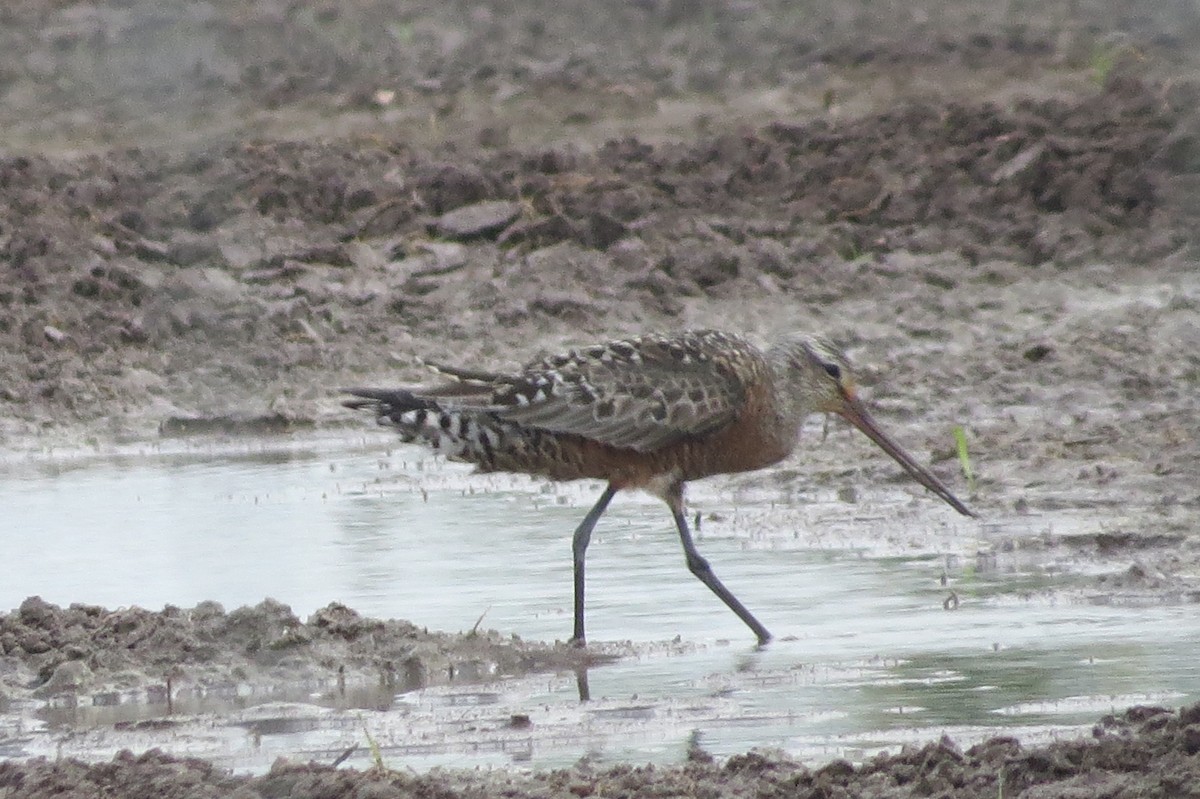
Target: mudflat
{"type": "Point", "coordinates": [211, 217]}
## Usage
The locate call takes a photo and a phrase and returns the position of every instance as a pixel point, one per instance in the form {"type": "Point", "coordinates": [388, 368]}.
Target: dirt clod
{"type": "Point", "coordinates": [84, 649]}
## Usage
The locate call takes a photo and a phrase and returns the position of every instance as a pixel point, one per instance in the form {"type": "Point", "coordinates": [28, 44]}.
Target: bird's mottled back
{"type": "Point", "coordinates": [639, 393]}
{"type": "Point", "coordinates": [627, 410]}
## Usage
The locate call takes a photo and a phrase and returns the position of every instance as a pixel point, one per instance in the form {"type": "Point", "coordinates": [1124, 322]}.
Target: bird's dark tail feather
{"type": "Point", "coordinates": [459, 433]}
{"type": "Point", "coordinates": [386, 401]}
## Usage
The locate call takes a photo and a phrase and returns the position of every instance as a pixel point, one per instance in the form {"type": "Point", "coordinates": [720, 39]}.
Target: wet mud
{"type": "Point", "coordinates": [212, 217]}
{"type": "Point", "coordinates": [104, 656]}
{"type": "Point", "coordinates": [1146, 751]}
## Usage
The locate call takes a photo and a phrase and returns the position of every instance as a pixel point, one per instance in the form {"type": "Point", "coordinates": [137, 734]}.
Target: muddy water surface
{"type": "Point", "coordinates": [896, 619]}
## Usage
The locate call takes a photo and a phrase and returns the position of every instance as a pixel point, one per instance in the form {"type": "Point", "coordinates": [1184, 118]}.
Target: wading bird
{"type": "Point", "coordinates": [650, 412]}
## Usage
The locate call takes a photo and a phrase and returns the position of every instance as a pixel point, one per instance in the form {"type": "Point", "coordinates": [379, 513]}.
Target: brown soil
{"type": "Point", "coordinates": [1146, 752]}
{"type": "Point", "coordinates": [89, 651]}
{"type": "Point", "coordinates": [212, 215]}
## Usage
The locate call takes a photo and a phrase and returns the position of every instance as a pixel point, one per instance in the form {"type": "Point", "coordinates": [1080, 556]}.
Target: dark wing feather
{"type": "Point", "coordinates": [640, 394]}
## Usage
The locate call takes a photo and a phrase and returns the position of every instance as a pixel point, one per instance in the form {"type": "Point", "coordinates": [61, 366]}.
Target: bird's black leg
{"type": "Point", "coordinates": [581, 684]}
{"type": "Point", "coordinates": [699, 566]}
{"type": "Point", "coordinates": [579, 545]}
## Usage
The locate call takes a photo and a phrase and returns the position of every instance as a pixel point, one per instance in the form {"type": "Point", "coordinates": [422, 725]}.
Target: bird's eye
{"type": "Point", "coordinates": [833, 370]}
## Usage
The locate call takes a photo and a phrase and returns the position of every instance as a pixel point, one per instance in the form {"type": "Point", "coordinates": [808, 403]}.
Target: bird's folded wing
{"type": "Point", "coordinates": [640, 394]}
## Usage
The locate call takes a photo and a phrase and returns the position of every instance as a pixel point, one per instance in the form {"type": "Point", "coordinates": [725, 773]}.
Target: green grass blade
{"type": "Point", "coordinates": [964, 457]}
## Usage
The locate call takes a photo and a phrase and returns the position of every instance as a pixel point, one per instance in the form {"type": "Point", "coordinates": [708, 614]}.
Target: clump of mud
{"type": "Point", "coordinates": [1147, 751]}
{"type": "Point", "coordinates": [86, 649]}
{"type": "Point", "coordinates": [146, 283]}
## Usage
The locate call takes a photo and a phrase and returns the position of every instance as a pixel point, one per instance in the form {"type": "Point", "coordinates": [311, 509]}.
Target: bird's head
{"type": "Point", "coordinates": [820, 379]}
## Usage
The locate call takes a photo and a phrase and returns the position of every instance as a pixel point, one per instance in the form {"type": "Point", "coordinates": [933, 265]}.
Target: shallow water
{"type": "Point", "coordinates": [868, 655]}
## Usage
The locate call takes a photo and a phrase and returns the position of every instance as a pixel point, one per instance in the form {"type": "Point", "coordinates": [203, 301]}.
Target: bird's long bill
{"type": "Point", "coordinates": [856, 413]}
